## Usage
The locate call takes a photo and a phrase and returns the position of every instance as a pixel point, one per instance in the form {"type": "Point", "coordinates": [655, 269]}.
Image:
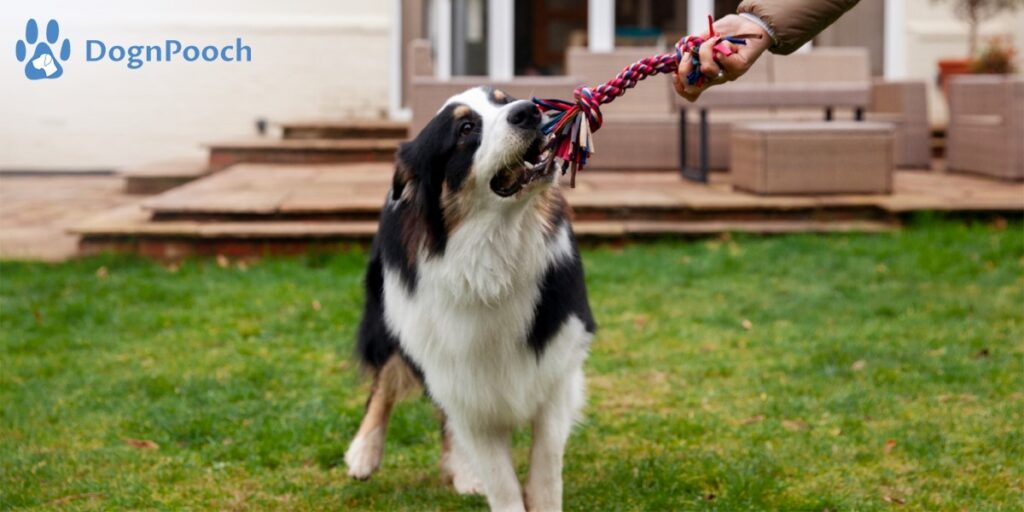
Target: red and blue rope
{"type": "Point", "coordinates": [570, 125]}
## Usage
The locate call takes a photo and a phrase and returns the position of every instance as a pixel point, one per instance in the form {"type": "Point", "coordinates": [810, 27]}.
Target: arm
{"type": "Point", "coordinates": [794, 22]}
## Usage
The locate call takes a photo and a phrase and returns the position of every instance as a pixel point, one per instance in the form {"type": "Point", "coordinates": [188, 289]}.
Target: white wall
{"type": "Point", "coordinates": [311, 59]}
{"type": "Point", "coordinates": [934, 33]}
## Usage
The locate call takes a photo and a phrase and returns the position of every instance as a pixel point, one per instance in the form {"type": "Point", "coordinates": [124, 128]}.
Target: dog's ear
{"type": "Point", "coordinates": [419, 177]}
{"type": "Point", "coordinates": [401, 180]}
{"type": "Point", "coordinates": [425, 156]}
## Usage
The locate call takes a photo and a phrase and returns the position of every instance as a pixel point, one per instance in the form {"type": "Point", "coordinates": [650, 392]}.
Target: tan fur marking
{"type": "Point", "coordinates": [551, 203]}
{"type": "Point", "coordinates": [455, 205]}
{"type": "Point", "coordinates": [393, 382]}
{"type": "Point", "coordinates": [414, 232]}
{"type": "Point", "coordinates": [461, 111]}
{"type": "Point", "coordinates": [500, 95]}
{"type": "Point", "coordinates": [403, 177]}
{"type": "Point", "coordinates": [446, 448]}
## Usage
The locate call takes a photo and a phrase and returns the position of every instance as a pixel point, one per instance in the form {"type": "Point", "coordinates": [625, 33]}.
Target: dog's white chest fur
{"type": "Point", "coordinates": [468, 321]}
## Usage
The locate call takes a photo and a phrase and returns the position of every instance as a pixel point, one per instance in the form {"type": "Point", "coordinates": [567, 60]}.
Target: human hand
{"type": "Point", "coordinates": [728, 68]}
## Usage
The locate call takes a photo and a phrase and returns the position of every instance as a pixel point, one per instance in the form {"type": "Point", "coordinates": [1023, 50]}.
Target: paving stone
{"type": "Point", "coordinates": [37, 211]}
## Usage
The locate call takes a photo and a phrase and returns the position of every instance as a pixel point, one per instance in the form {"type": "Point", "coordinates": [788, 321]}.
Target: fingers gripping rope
{"type": "Point", "coordinates": [571, 125]}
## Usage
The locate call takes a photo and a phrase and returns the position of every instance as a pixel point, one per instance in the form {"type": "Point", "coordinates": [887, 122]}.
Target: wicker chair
{"type": "Point", "coordinates": [986, 126]}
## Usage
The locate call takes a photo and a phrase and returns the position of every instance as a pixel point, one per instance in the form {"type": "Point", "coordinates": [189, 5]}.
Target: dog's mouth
{"type": "Point", "coordinates": [532, 167]}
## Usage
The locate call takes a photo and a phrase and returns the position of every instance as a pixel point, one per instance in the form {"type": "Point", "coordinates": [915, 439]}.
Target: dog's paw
{"type": "Point", "coordinates": [532, 505]}
{"type": "Point", "coordinates": [364, 454]}
{"type": "Point", "coordinates": [468, 484]}
{"type": "Point", "coordinates": [457, 471]}
{"type": "Point", "coordinates": [542, 495]}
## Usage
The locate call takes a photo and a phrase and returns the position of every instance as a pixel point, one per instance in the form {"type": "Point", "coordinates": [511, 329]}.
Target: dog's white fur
{"type": "Point", "coordinates": [466, 323]}
{"type": "Point", "coordinates": [364, 453]}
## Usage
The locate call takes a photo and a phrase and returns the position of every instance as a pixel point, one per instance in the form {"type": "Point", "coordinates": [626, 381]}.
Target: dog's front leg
{"type": "Point", "coordinates": [551, 428]}
{"type": "Point", "coordinates": [490, 453]}
{"type": "Point", "coordinates": [392, 381]}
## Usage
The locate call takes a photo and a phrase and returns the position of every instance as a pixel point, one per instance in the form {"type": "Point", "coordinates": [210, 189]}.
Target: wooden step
{"type": "Point", "coordinates": [276, 192]}
{"type": "Point", "coordinates": [348, 129]}
{"type": "Point", "coordinates": [161, 176]}
{"type": "Point", "coordinates": [346, 192]}
{"type": "Point", "coordinates": [252, 192]}
{"type": "Point", "coordinates": [300, 151]}
{"type": "Point", "coordinates": [658, 229]}
{"type": "Point", "coordinates": [131, 229]}
{"type": "Point", "coordinates": [257, 208]}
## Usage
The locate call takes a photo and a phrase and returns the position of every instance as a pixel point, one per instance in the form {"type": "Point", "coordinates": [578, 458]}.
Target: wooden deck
{"type": "Point", "coordinates": [359, 189]}
{"type": "Point", "coordinates": [257, 208]}
{"type": "Point", "coordinates": [300, 151]}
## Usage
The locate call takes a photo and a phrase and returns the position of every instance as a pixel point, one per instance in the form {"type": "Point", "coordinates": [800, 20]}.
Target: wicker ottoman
{"type": "Point", "coordinates": [836, 157]}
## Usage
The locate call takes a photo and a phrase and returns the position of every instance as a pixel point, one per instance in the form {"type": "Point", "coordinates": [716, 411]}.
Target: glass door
{"type": "Point", "coordinates": [544, 30]}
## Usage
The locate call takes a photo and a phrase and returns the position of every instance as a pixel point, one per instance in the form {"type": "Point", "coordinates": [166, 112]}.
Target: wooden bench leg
{"type": "Point", "coordinates": [682, 142]}
{"type": "Point", "coordinates": [700, 174]}
{"type": "Point", "coordinates": [704, 149]}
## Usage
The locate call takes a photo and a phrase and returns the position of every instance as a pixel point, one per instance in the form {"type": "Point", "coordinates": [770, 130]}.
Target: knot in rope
{"type": "Point", "coordinates": [590, 106]}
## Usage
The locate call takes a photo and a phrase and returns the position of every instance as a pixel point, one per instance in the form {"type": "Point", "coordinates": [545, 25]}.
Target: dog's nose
{"type": "Point", "coordinates": [524, 115]}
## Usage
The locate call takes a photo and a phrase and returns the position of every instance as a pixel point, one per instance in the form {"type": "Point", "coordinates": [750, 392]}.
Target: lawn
{"type": "Point", "coordinates": [844, 372]}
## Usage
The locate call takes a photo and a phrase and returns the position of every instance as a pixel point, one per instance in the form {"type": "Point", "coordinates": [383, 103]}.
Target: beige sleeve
{"type": "Point", "coordinates": [796, 21]}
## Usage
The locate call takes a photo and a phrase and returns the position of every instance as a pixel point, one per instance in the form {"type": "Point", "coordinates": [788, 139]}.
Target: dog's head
{"type": "Point", "coordinates": [477, 158]}
{"type": "Point", "coordinates": [482, 146]}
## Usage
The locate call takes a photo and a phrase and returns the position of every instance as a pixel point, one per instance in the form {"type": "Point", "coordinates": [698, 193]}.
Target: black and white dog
{"type": "Point", "coordinates": [475, 289]}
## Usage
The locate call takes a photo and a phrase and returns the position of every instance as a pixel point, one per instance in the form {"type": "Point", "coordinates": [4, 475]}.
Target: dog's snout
{"type": "Point", "coordinates": [524, 115]}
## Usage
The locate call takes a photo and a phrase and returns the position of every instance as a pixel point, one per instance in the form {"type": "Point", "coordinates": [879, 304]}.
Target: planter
{"type": "Point", "coordinates": [952, 67]}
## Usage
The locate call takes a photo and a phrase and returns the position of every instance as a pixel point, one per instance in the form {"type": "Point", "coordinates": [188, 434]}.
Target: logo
{"type": "Point", "coordinates": [43, 57]}
{"type": "Point", "coordinates": [39, 57]}
{"type": "Point", "coordinates": [171, 50]}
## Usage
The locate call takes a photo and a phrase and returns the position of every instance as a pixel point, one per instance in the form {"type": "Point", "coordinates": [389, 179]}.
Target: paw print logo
{"type": "Point", "coordinates": [43, 63]}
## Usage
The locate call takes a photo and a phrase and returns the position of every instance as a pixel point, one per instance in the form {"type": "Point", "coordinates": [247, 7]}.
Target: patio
{"type": "Point", "coordinates": [37, 211]}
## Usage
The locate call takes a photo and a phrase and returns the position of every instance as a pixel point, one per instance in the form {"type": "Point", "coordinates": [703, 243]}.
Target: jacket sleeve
{"type": "Point", "coordinates": [796, 21]}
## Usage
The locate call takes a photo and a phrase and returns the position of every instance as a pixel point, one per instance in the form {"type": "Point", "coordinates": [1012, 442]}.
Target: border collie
{"type": "Point", "coordinates": [475, 290]}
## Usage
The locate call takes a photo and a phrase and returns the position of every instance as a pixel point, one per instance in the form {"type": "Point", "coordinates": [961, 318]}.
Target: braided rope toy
{"type": "Point", "coordinates": [571, 125]}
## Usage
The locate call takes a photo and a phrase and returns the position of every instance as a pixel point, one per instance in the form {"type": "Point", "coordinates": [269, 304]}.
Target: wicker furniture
{"type": "Point", "coordinates": [643, 129]}
{"type": "Point", "coordinates": [826, 83]}
{"type": "Point", "coordinates": [986, 126]}
{"type": "Point", "coordinates": [840, 157]}
{"type": "Point", "coordinates": [904, 103]}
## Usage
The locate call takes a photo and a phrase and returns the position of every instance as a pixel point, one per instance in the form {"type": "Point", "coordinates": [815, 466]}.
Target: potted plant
{"type": "Point", "coordinates": [998, 57]}
{"type": "Point", "coordinates": [973, 12]}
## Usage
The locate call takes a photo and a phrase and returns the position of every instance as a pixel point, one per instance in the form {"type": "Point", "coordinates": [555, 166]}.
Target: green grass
{"type": "Point", "coordinates": [877, 372]}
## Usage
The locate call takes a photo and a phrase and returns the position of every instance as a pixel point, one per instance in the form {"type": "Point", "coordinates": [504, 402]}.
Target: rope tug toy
{"type": "Point", "coordinates": [571, 134]}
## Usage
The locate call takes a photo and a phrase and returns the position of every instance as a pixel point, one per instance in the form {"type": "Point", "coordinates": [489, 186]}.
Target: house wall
{"type": "Point", "coordinates": [861, 26]}
{"type": "Point", "coordinates": [311, 59]}
{"type": "Point", "coordinates": [933, 33]}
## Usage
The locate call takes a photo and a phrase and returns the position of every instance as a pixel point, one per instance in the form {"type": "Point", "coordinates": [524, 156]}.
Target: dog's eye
{"type": "Point", "coordinates": [465, 128]}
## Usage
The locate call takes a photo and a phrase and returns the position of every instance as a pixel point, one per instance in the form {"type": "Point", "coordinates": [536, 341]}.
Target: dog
{"type": "Point", "coordinates": [475, 289]}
